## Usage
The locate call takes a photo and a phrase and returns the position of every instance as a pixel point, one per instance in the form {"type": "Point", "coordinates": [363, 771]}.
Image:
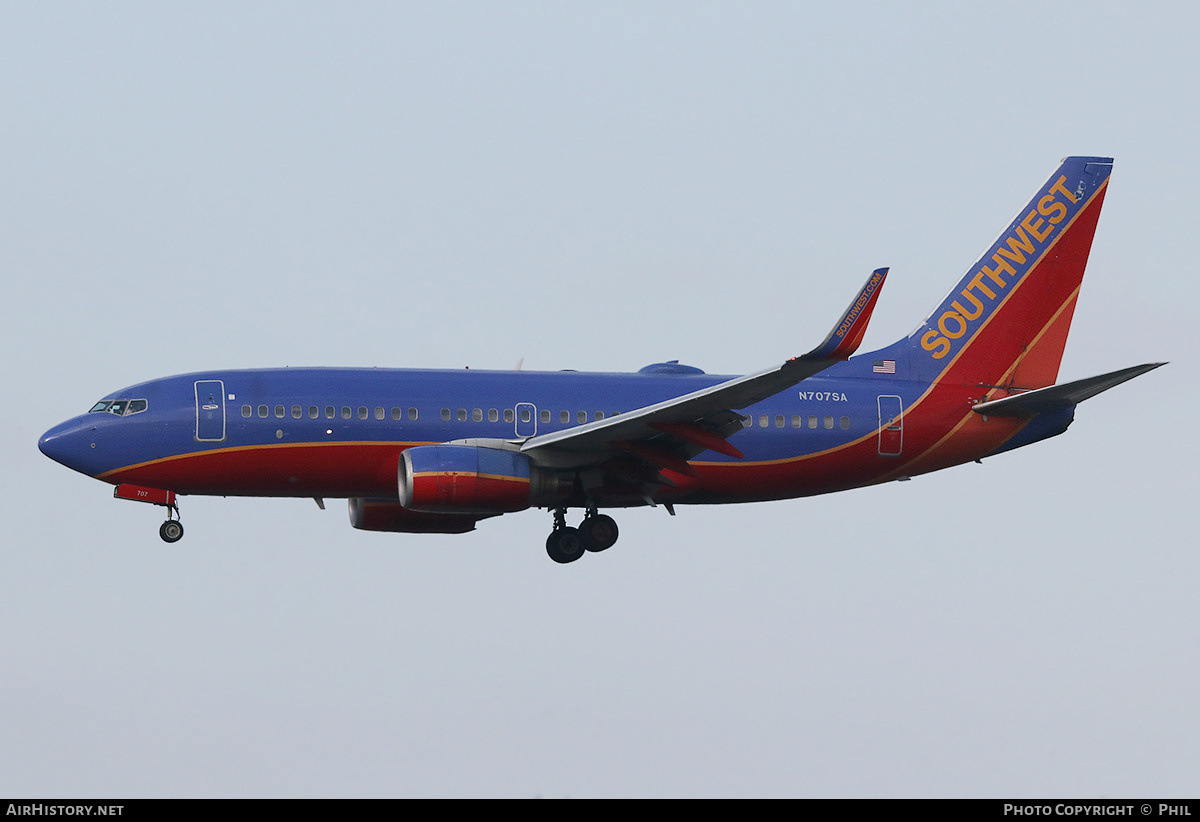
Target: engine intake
{"type": "Point", "coordinates": [469, 479]}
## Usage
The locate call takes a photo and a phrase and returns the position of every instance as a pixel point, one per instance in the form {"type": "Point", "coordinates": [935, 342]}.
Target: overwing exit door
{"type": "Point", "coordinates": [526, 422]}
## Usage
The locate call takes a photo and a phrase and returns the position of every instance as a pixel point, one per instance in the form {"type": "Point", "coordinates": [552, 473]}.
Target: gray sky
{"type": "Point", "coordinates": [592, 186]}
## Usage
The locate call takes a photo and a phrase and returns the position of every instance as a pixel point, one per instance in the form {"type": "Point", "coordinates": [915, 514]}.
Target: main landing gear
{"type": "Point", "coordinates": [597, 532]}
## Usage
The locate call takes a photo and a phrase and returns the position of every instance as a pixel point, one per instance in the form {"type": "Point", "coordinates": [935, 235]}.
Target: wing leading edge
{"type": "Point", "coordinates": [703, 418]}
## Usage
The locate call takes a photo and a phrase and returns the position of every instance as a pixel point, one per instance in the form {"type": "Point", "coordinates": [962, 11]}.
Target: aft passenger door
{"type": "Point", "coordinates": [891, 425]}
{"type": "Point", "coordinates": [210, 410]}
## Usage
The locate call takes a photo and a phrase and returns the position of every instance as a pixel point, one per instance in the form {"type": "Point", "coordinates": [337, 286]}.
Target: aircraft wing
{"type": "Point", "coordinates": [1054, 397]}
{"type": "Point", "coordinates": [702, 419]}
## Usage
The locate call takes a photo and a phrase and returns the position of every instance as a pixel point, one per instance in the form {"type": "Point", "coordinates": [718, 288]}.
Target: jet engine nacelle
{"type": "Point", "coordinates": [471, 479]}
{"type": "Point", "coordinates": [388, 515]}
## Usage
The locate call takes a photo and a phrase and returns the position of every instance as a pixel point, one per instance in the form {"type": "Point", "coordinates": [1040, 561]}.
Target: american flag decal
{"type": "Point", "coordinates": [884, 367]}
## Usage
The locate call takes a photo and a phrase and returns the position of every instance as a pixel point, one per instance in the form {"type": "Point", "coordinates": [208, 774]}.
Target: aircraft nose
{"type": "Point", "coordinates": [68, 443]}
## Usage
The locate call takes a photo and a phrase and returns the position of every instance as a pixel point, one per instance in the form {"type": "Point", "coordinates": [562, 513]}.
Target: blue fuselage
{"type": "Point", "coordinates": [339, 432]}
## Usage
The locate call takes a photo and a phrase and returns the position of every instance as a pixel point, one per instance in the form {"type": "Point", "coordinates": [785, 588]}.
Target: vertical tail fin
{"type": "Point", "coordinates": [1006, 321]}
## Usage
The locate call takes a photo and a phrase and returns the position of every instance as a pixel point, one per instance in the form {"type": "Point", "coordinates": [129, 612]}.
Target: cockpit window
{"type": "Point", "coordinates": [119, 408]}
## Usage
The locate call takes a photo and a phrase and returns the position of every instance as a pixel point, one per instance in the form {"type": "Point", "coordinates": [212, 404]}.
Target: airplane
{"type": "Point", "coordinates": [437, 451]}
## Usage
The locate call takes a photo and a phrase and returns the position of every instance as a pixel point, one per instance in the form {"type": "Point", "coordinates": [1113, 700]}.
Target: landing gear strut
{"type": "Point", "coordinates": [596, 533]}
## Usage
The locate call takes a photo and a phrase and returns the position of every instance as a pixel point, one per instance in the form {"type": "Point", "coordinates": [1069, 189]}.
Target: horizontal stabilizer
{"type": "Point", "coordinates": [1055, 397]}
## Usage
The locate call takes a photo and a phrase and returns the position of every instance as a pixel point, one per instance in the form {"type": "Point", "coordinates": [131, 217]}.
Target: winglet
{"type": "Point", "coordinates": [848, 333]}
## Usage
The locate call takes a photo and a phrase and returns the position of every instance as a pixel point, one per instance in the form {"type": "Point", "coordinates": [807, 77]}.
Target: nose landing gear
{"type": "Point", "coordinates": [172, 529]}
{"type": "Point", "coordinates": [596, 533]}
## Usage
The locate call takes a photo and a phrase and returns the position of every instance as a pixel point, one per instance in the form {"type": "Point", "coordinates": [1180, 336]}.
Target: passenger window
{"type": "Point", "coordinates": [346, 412]}
{"type": "Point", "coordinates": [545, 416]}
{"type": "Point", "coordinates": [378, 412]}
{"type": "Point", "coordinates": [581, 416]}
{"type": "Point", "coordinates": [329, 412]}
{"type": "Point", "coordinates": [812, 421]}
{"type": "Point", "coordinates": [829, 422]}
{"type": "Point", "coordinates": [762, 421]}
{"type": "Point", "coordinates": [412, 413]}
{"type": "Point", "coordinates": [509, 416]}
{"type": "Point", "coordinates": [262, 411]}
{"type": "Point", "coordinates": [779, 422]}
{"type": "Point", "coordinates": [493, 415]}
{"type": "Point", "coordinates": [462, 415]}
{"type": "Point", "coordinates": [477, 415]}
{"type": "Point", "coordinates": [297, 412]}
{"type": "Point", "coordinates": [564, 416]}
{"type": "Point", "coordinates": [599, 415]}
{"type": "Point", "coordinates": [313, 412]}
{"type": "Point", "coordinates": [362, 412]}
{"type": "Point", "coordinates": [279, 411]}
{"type": "Point", "coordinates": [845, 423]}
{"type": "Point", "coordinates": [525, 415]}
{"type": "Point", "coordinates": [247, 411]}
{"type": "Point", "coordinates": [445, 415]}
{"type": "Point", "coordinates": [797, 420]}
{"type": "Point", "coordinates": [396, 414]}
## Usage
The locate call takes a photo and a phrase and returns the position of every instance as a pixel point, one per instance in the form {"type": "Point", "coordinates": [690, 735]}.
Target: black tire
{"type": "Point", "coordinates": [564, 545]}
{"type": "Point", "coordinates": [171, 530]}
{"type": "Point", "coordinates": [599, 532]}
